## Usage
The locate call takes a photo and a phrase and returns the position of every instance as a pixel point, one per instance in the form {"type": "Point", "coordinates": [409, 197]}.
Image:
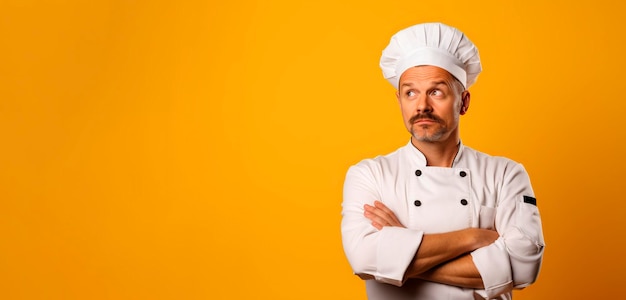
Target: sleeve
{"type": "Point", "coordinates": [382, 255]}
{"type": "Point", "coordinates": [514, 260]}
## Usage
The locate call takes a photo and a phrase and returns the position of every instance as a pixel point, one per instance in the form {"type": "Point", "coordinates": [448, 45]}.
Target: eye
{"type": "Point", "coordinates": [410, 93]}
{"type": "Point", "coordinates": [437, 93]}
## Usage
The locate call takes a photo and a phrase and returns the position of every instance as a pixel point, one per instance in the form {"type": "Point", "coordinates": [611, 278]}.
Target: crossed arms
{"type": "Point", "coordinates": [378, 246]}
{"type": "Point", "coordinates": [442, 257]}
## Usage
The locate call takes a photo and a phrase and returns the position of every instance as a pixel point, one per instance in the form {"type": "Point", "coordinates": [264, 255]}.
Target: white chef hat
{"type": "Point", "coordinates": [432, 44]}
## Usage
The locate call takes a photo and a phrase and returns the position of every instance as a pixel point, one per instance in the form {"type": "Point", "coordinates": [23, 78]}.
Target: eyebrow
{"type": "Point", "coordinates": [433, 83]}
{"type": "Point", "coordinates": [440, 83]}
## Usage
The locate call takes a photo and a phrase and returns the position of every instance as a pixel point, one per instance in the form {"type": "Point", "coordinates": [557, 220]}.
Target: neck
{"type": "Point", "coordinates": [440, 153]}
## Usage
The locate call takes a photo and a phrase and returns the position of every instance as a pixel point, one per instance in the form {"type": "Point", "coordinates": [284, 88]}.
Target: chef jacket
{"type": "Point", "coordinates": [478, 191]}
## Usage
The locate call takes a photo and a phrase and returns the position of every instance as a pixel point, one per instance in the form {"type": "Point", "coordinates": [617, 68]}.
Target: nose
{"type": "Point", "coordinates": [423, 103]}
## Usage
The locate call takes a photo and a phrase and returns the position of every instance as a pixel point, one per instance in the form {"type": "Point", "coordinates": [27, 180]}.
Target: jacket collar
{"type": "Point", "coordinates": [417, 157]}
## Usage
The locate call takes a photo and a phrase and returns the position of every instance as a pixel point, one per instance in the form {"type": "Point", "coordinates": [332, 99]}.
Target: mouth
{"type": "Point", "coordinates": [425, 121]}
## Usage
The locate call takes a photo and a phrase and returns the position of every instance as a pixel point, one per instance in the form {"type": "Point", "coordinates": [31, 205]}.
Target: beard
{"type": "Point", "coordinates": [428, 133]}
{"type": "Point", "coordinates": [426, 136]}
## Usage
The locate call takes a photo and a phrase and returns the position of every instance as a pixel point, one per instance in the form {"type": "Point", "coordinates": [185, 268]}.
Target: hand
{"type": "Point", "coordinates": [483, 237]}
{"type": "Point", "coordinates": [381, 216]}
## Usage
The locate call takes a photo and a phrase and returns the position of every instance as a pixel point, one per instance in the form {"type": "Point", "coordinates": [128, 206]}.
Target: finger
{"type": "Point", "coordinates": [382, 207]}
{"type": "Point", "coordinates": [380, 216]}
{"type": "Point", "coordinates": [377, 226]}
{"type": "Point", "coordinates": [376, 219]}
{"type": "Point", "coordinates": [391, 216]}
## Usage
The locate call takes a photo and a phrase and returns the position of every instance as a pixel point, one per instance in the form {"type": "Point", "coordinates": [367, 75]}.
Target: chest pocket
{"type": "Point", "coordinates": [439, 200]}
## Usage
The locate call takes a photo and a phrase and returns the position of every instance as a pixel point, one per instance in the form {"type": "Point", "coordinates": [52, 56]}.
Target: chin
{"type": "Point", "coordinates": [436, 137]}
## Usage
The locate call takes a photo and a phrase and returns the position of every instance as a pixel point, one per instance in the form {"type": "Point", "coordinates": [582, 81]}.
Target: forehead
{"type": "Point", "coordinates": [425, 75]}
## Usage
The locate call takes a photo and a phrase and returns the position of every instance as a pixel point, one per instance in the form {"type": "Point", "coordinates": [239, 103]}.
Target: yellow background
{"type": "Point", "coordinates": [197, 149]}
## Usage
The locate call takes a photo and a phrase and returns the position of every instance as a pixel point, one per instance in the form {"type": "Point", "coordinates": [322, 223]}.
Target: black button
{"type": "Point", "coordinates": [417, 203]}
{"type": "Point", "coordinates": [418, 172]}
{"type": "Point", "coordinates": [463, 202]}
{"type": "Point", "coordinates": [463, 174]}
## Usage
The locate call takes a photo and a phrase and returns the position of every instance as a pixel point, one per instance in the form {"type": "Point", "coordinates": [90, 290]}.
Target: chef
{"type": "Point", "coordinates": [436, 219]}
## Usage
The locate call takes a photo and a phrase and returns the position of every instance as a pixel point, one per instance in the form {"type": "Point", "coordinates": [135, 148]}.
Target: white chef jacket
{"type": "Point", "coordinates": [478, 191]}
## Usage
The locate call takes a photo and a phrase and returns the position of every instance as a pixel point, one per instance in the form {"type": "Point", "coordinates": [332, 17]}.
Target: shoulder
{"type": "Point", "coordinates": [484, 158]}
{"type": "Point", "coordinates": [380, 164]}
{"type": "Point", "coordinates": [490, 165]}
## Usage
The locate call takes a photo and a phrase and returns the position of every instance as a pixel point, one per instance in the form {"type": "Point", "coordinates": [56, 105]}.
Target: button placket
{"type": "Point", "coordinates": [464, 201]}
{"type": "Point", "coordinates": [435, 199]}
{"type": "Point", "coordinates": [418, 203]}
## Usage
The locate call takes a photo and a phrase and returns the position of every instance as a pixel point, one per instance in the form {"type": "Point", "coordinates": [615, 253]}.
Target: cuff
{"type": "Point", "coordinates": [396, 249]}
{"type": "Point", "coordinates": [494, 267]}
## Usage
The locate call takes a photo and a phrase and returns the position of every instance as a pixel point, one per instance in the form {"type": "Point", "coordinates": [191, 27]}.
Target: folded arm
{"type": "Point", "coordinates": [459, 272]}
{"type": "Point", "coordinates": [441, 257]}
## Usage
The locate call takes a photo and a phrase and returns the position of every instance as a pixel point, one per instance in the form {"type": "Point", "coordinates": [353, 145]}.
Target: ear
{"type": "Point", "coordinates": [465, 102]}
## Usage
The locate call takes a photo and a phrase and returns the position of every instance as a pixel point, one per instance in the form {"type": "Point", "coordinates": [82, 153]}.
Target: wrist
{"type": "Point", "coordinates": [473, 241]}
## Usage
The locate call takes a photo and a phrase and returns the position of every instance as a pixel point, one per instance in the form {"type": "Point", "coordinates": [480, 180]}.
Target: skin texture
{"type": "Point", "coordinates": [432, 101]}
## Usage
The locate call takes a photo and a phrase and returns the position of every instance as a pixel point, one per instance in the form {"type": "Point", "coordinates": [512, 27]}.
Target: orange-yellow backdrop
{"type": "Point", "coordinates": [196, 149]}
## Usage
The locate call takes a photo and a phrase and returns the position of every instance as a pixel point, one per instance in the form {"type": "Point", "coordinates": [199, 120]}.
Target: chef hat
{"type": "Point", "coordinates": [432, 44]}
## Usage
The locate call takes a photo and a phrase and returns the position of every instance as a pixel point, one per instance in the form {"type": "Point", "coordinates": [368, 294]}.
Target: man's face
{"type": "Point", "coordinates": [431, 101]}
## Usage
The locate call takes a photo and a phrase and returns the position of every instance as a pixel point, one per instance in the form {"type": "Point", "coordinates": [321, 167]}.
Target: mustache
{"type": "Point", "coordinates": [427, 116]}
